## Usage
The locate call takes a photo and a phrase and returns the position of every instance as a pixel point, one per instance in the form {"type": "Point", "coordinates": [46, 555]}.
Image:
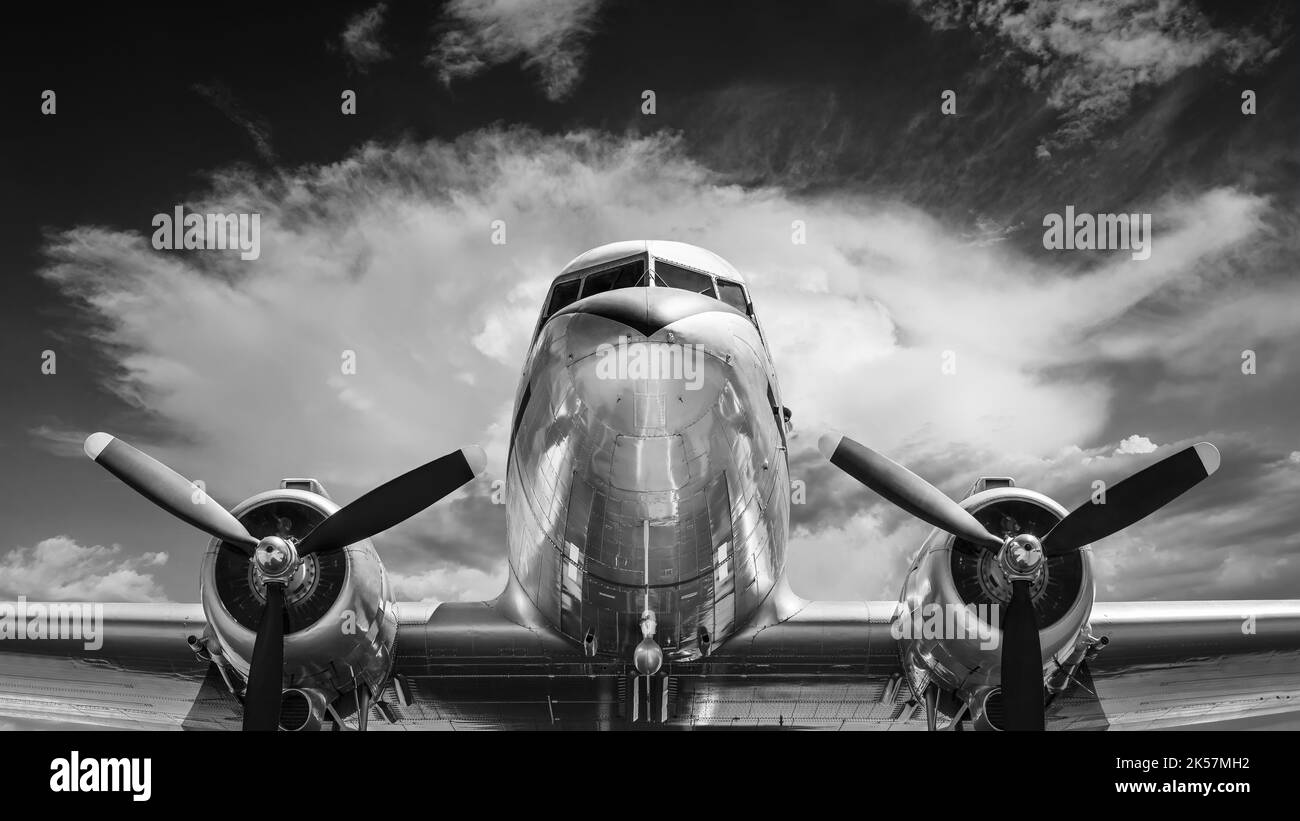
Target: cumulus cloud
{"type": "Point", "coordinates": [435, 586]}
{"type": "Point", "coordinates": [1091, 57]}
{"type": "Point", "coordinates": [387, 256]}
{"type": "Point", "coordinates": [60, 569]}
{"type": "Point", "coordinates": [549, 36]}
{"type": "Point", "coordinates": [1135, 444]}
{"type": "Point", "coordinates": [360, 38]}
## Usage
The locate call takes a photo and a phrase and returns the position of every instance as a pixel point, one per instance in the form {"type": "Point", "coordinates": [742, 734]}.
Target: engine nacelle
{"type": "Point", "coordinates": [341, 620]}
{"type": "Point", "coordinates": [953, 598]}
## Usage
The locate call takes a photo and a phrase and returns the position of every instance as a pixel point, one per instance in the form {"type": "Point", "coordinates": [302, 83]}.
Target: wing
{"type": "Point", "coordinates": [810, 664]}
{"type": "Point", "coordinates": [125, 666]}
{"type": "Point", "coordinates": [1171, 664]}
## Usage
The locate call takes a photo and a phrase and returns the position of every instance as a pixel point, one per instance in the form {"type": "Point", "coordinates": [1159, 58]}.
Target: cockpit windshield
{"type": "Point", "coordinates": [565, 294]}
{"type": "Point", "coordinates": [733, 293]}
{"type": "Point", "coordinates": [630, 275]}
{"type": "Point", "coordinates": [674, 276]}
{"type": "Point", "coordinates": [634, 273]}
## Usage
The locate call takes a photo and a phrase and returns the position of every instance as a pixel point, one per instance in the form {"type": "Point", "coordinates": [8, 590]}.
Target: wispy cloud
{"type": "Point", "coordinates": [549, 36]}
{"type": "Point", "coordinates": [257, 129]}
{"type": "Point", "coordinates": [361, 38]}
{"type": "Point", "coordinates": [1091, 57]}
{"type": "Point", "coordinates": [58, 440]}
{"type": "Point", "coordinates": [60, 569]}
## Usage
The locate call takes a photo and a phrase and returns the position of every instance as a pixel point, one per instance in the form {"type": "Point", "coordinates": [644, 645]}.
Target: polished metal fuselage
{"type": "Point", "coordinates": [648, 471]}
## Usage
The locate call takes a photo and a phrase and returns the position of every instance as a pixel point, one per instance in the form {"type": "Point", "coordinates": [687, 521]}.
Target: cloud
{"type": "Point", "coordinates": [59, 440]}
{"type": "Point", "coordinates": [360, 38]}
{"type": "Point", "coordinates": [449, 584]}
{"type": "Point", "coordinates": [60, 569]}
{"type": "Point", "coordinates": [387, 255]}
{"type": "Point", "coordinates": [257, 129]}
{"type": "Point", "coordinates": [547, 35]}
{"type": "Point", "coordinates": [1232, 537]}
{"type": "Point", "coordinates": [1135, 444]}
{"type": "Point", "coordinates": [1092, 57]}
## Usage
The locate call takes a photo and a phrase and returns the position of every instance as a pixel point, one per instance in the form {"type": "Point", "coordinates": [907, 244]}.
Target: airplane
{"type": "Point", "coordinates": [648, 497]}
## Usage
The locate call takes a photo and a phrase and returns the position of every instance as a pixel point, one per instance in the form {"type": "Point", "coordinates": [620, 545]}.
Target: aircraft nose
{"type": "Point", "coordinates": [638, 385]}
{"type": "Point", "coordinates": [647, 310]}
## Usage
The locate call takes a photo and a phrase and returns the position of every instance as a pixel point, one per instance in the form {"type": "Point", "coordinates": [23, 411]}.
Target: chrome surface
{"type": "Point", "coordinates": [349, 644]}
{"type": "Point", "coordinates": [275, 558]}
{"type": "Point", "coordinates": [647, 469]}
{"type": "Point", "coordinates": [1022, 557]}
{"type": "Point", "coordinates": [970, 664]}
{"type": "Point", "coordinates": [648, 657]}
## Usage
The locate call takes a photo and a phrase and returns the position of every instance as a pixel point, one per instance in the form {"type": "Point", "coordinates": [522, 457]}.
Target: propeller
{"type": "Point", "coordinates": [905, 489]}
{"type": "Point", "coordinates": [277, 558]}
{"type": "Point", "coordinates": [168, 489]}
{"type": "Point", "coordinates": [1129, 501]}
{"type": "Point", "coordinates": [1022, 662]}
{"type": "Point", "coordinates": [265, 671]}
{"type": "Point", "coordinates": [395, 501]}
{"type": "Point", "coordinates": [1133, 499]}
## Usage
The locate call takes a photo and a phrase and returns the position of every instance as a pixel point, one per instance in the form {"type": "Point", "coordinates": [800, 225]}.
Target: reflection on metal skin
{"type": "Point", "coordinates": [636, 486]}
{"type": "Point", "coordinates": [948, 572]}
{"type": "Point", "coordinates": [648, 658]}
{"type": "Point", "coordinates": [342, 621]}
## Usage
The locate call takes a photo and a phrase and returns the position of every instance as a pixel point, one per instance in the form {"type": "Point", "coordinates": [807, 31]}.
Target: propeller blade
{"type": "Point", "coordinates": [1133, 499]}
{"type": "Point", "coordinates": [905, 489]}
{"type": "Point", "coordinates": [1022, 662]}
{"type": "Point", "coordinates": [167, 489]}
{"type": "Point", "coordinates": [395, 501]}
{"type": "Point", "coordinates": [266, 670]}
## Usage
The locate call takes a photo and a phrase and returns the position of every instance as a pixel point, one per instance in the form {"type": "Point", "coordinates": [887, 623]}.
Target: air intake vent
{"type": "Point", "coordinates": [994, 710]}
{"type": "Point", "coordinates": [295, 710]}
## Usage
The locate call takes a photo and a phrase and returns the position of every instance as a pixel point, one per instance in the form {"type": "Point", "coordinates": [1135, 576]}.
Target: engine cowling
{"type": "Point", "coordinates": [955, 594]}
{"type": "Point", "coordinates": [340, 615]}
{"type": "Point", "coordinates": [951, 641]}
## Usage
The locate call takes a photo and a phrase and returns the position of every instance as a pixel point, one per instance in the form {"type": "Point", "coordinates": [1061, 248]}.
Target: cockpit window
{"type": "Point", "coordinates": [733, 293]}
{"type": "Point", "coordinates": [674, 276]}
{"type": "Point", "coordinates": [631, 275]}
{"type": "Point", "coordinates": [565, 294]}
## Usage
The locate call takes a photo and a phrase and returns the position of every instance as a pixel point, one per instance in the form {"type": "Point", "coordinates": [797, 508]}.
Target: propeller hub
{"type": "Point", "coordinates": [275, 558]}
{"type": "Point", "coordinates": [1022, 557]}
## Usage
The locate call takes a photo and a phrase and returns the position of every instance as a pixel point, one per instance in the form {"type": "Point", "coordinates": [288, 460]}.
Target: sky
{"type": "Point", "coordinates": [923, 244]}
